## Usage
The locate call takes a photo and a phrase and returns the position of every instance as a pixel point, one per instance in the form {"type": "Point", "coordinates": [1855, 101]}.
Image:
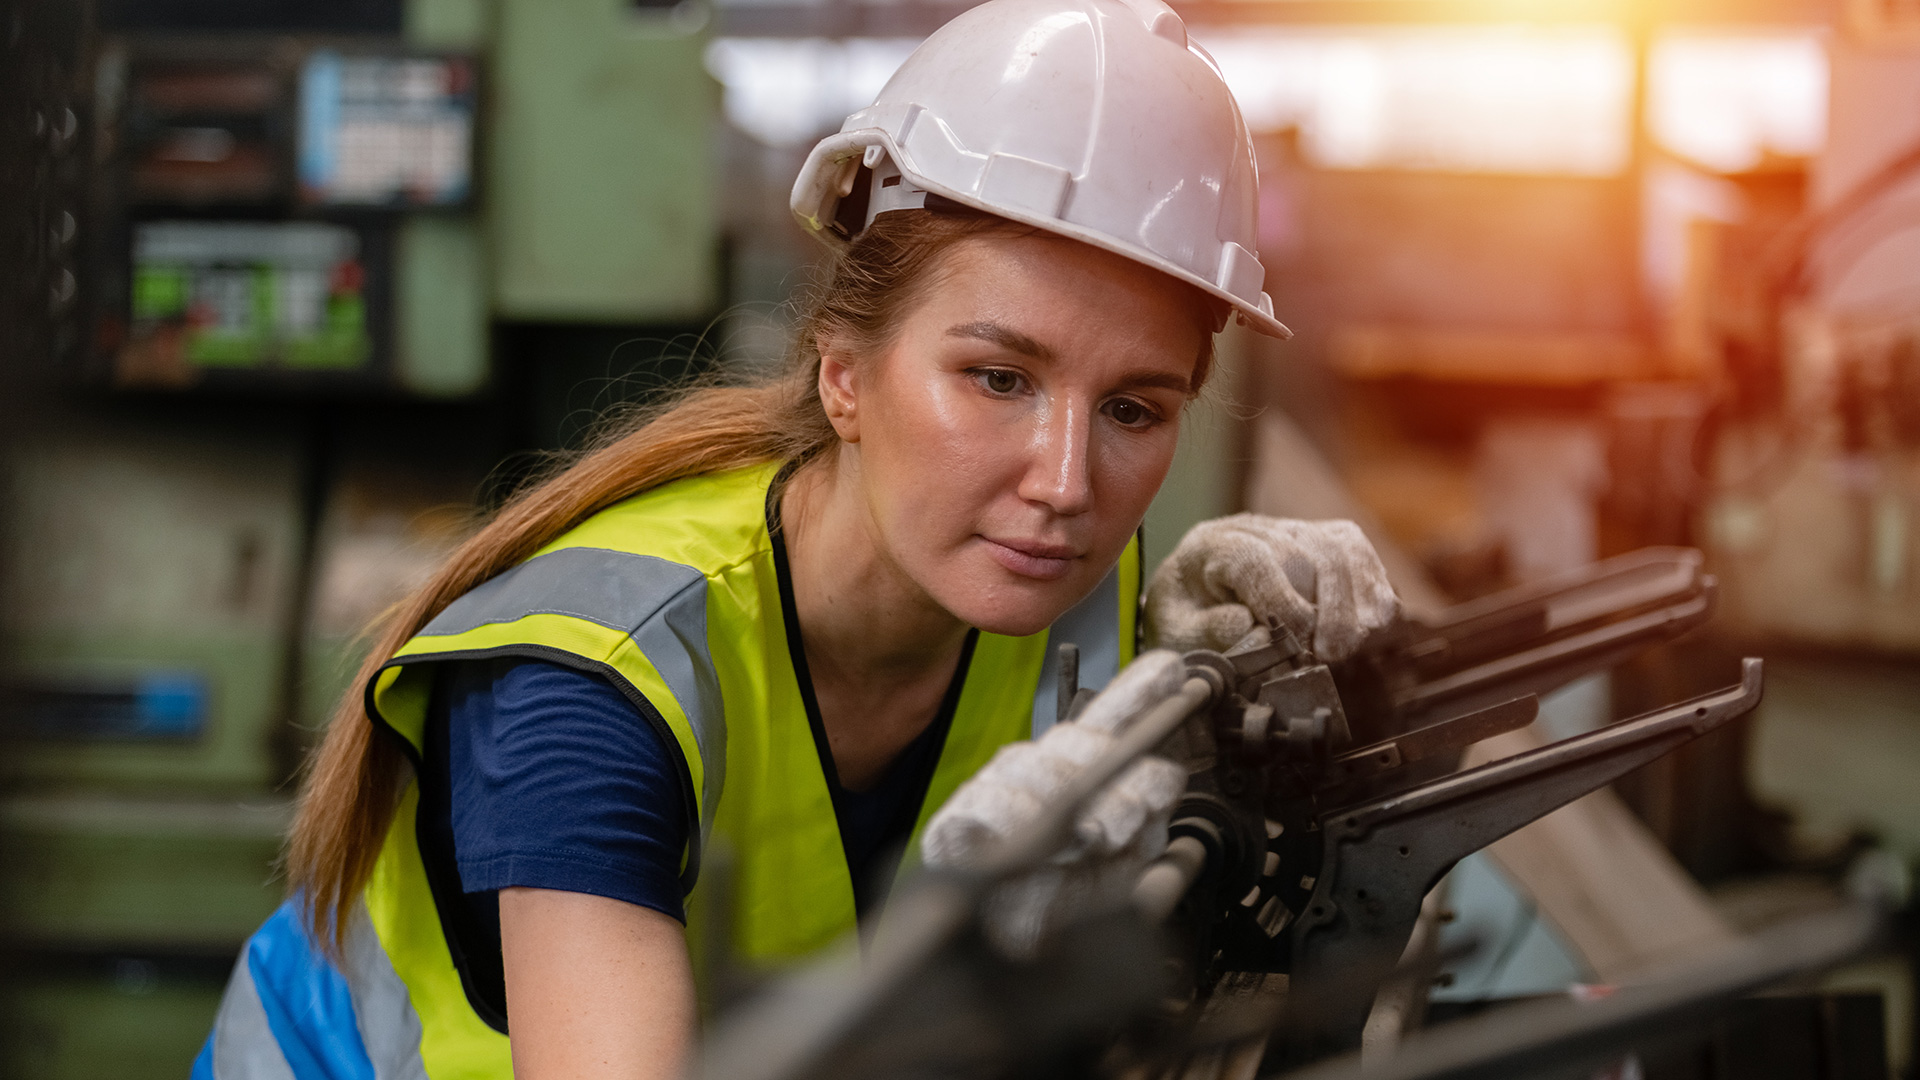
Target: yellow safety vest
{"type": "Point", "coordinates": [673, 595]}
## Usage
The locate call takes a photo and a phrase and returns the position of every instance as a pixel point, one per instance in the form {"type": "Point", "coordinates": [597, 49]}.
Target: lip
{"type": "Point", "coordinates": [1033, 558]}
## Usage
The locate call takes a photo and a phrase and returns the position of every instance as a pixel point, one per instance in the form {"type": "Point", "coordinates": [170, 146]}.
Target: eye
{"type": "Point", "coordinates": [1130, 413]}
{"type": "Point", "coordinates": [998, 380]}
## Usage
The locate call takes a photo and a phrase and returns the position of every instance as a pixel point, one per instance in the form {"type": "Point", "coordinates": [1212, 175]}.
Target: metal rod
{"type": "Point", "coordinates": [1579, 647]}
{"type": "Point", "coordinates": [1044, 836]}
{"type": "Point", "coordinates": [1169, 877]}
{"type": "Point", "coordinates": [1067, 683]}
{"type": "Point", "coordinates": [1680, 723]}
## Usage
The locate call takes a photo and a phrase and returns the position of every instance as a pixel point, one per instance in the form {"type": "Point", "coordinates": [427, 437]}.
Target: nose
{"type": "Point", "coordinates": [1059, 471]}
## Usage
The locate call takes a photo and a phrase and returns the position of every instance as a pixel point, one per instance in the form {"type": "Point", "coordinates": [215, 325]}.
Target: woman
{"type": "Point", "coordinates": [787, 620]}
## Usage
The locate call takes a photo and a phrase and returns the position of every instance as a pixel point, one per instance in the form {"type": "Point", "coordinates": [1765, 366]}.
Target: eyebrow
{"type": "Point", "coordinates": [1011, 340]}
{"type": "Point", "coordinates": [1160, 379]}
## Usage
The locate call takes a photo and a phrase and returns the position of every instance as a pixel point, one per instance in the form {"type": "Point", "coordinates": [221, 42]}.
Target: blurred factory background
{"type": "Point", "coordinates": [293, 288]}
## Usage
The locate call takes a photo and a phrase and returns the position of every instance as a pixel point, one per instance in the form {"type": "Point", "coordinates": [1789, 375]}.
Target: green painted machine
{"type": "Point", "coordinates": [191, 543]}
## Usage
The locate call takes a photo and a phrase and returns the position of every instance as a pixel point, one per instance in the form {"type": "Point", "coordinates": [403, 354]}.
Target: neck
{"type": "Point", "coordinates": [863, 622]}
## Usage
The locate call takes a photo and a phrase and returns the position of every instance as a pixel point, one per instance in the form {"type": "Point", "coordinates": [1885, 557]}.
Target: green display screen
{"type": "Point", "coordinates": [211, 295]}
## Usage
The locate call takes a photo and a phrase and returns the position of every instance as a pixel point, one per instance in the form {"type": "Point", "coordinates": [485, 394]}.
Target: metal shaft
{"type": "Point", "coordinates": [1169, 877]}
{"type": "Point", "coordinates": [1148, 730]}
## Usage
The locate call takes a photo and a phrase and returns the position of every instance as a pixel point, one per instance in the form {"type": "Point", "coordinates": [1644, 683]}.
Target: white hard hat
{"type": "Point", "coordinates": [1093, 119]}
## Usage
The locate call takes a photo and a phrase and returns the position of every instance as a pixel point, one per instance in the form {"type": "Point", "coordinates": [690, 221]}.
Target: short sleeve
{"type": "Point", "coordinates": [557, 781]}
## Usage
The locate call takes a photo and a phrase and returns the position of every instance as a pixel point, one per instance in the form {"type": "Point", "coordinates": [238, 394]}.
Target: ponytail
{"type": "Point", "coordinates": [356, 776]}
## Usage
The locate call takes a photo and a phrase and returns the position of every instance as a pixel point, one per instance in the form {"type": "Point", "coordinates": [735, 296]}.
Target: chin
{"type": "Point", "coordinates": [1013, 624]}
{"type": "Point", "coordinates": [1018, 607]}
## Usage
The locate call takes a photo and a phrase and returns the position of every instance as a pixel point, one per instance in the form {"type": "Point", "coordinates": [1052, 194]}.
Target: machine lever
{"type": "Point", "coordinates": [1425, 742]}
{"type": "Point", "coordinates": [1382, 857]}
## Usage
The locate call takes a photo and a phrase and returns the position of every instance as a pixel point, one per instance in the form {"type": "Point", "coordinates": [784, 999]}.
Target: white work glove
{"type": "Point", "coordinates": [1120, 830]}
{"type": "Point", "coordinates": [1321, 580]}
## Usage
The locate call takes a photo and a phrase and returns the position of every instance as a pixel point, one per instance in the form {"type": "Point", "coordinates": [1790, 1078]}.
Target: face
{"type": "Point", "coordinates": [1009, 440]}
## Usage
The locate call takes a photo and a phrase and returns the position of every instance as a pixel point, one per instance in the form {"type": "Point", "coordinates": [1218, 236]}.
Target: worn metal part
{"type": "Point", "coordinates": [1400, 1006]}
{"type": "Point", "coordinates": [1068, 678]}
{"type": "Point", "coordinates": [1535, 638]}
{"type": "Point", "coordinates": [1598, 648]}
{"type": "Point", "coordinates": [1434, 739]}
{"type": "Point", "coordinates": [1302, 693]}
{"type": "Point", "coordinates": [1381, 857]}
{"type": "Point", "coordinates": [1169, 877]}
{"type": "Point", "coordinates": [1292, 817]}
{"type": "Point", "coordinates": [1293, 852]}
{"type": "Point", "coordinates": [1565, 1037]}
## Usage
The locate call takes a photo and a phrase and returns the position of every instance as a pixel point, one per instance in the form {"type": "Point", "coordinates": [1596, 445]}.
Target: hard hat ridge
{"type": "Point", "coordinates": [1092, 119]}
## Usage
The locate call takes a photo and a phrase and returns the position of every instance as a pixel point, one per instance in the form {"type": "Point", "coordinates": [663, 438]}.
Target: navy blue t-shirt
{"type": "Point", "coordinates": [558, 782]}
{"type": "Point", "coordinates": [539, 775]}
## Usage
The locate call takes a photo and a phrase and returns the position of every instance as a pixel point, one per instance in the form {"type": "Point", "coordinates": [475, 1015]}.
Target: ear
{"type": "Point", "coordinates": [840, 392]}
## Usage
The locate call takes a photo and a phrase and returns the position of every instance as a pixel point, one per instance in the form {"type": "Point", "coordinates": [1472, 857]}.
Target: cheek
{"type": "Point", "coordinates": [1127, 469]}
{"type": "Point", "coordinates": [937, 456]}
{"type": "Point", "coordinates": [1126, 473]}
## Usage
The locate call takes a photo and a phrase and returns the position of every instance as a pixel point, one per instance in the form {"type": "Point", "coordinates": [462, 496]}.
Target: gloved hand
{"type": "Point", "coordinates": [1118, 833]}
{"type": "Point", "coordinates": [1321, 580]}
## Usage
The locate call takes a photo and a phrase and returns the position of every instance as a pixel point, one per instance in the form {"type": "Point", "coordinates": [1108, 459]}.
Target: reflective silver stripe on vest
{"type": "Point", "coordinates": [660, 604]}
{"type": "Point", "coordinates": [243, 1044]}
{"type": "Point", "coordinates": [1094, 625]}
{"type": "Point", "coordinates": [382, 1009]}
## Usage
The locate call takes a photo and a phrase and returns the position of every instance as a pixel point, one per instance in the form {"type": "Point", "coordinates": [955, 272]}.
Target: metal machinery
{"type": "Point", "coordinates": [1322, 807]}
{"type": "Point", "coordinates": [271, 250]}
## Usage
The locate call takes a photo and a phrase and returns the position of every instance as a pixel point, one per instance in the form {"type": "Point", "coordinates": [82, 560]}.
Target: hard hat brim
{"type": "Point", "coordinates": [834, 161]}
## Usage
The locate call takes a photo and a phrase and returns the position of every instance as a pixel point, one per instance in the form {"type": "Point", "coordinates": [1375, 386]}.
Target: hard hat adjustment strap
{"type": "Point", "coordinates": [850, 216]}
